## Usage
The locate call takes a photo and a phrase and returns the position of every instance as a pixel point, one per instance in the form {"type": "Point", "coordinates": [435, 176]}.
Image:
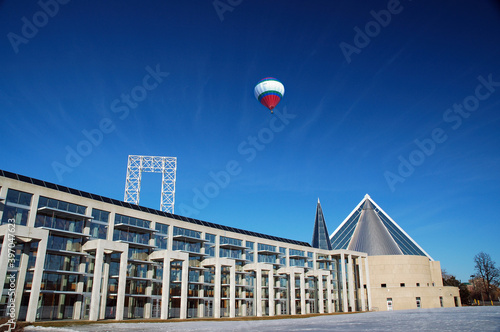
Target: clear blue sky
{"type": "Point", "coordinates": [368, 85]}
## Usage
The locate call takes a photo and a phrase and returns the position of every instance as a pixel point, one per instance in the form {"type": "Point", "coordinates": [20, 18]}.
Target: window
{"type": "Point", "coordinates": [418, 302]}
{"type": "Point", "coordinates": [383, 285]}
{"type": "Point", "coordinates": [402, 284]}
{"type": "Point", "coordinates": [130, 236]}
{"type": "Point", "coordinates": [161, 237]}
{"type": "Point", "coordinates": [121, 219]}
{"type": "Point", "coordinates": [99, 215]}
{"type": "Point", "coordinates": [249, 251]}
{"type": "Point", "coordinates": [99, 225]}
{"type": "Point", "coordinates": [19, 214]}
{"type": "Point", "coordinates": [61, 205]}
{"type": "Point", "coordinates": [283, 255]}
{"type": "Point", "coordinates": [418, 284]}
{"type": "Point", "coordinates": [187, 232]}
{"type": "Point", "coordinates": [265, 247]}
{"type": "Point", "coordinates": [229, 240]}
{"type": "Point", "coordinates": [441, 301]}
{"type": "Point", "coordinates": [297, 262]}
{"type": "Point", "coordinates": [18, 197]}
{"type": "Point", "coordinates": [266, 258]}
{"type": "Point", "coordinates": [295, 252]}
{"type": "Point", "coordinates": [210, 245]}
{"type": "Point", "coordinates": [16, 207]}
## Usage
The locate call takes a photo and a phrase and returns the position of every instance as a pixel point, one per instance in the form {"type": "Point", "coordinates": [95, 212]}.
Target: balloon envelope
{"type": "Point", "coordinates": [269, 92]}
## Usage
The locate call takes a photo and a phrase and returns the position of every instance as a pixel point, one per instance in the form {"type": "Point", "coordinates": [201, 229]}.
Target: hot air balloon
{"type": "Point", "coordinates": [269, 92]}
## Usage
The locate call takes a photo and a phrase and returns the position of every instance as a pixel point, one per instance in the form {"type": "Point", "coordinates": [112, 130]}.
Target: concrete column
{"type": "Point", "coordinates": [165, 292]}
{"type": "Point", "coordinates": [21, 276]}
{"type": "Point", "coordinates": [258, 291]}
{"type": "Point", "coordinates": [255, 253]}
{"type": "Point", "coordinates": [201, 292]}
{"type": "Point", "coordinates": [37, 279]}
{"type": "Point", "coordinates": [111, 226]}
{"type": "Point", "coordinates": [361, 282]}
{"type": "Point", "coordinates": [368, 289]}
{"type": "Point", "coordinates": [278, 304]}
{"type": "Point", "coordinates": [217, 290]}
{"type": "Point", "coordinates": [271, 292]}
{"type": "Point", "coordinates": [352, 284]}
{"type": "Point", "coordinates": [345, 307]}
{"type": "Point", "coordinates": [184, 288]}
{"type": "Point", "coordinates": [321, 298]}
{"type": "Point", "coordinates": [96, 283]}
{"type": "Point", "coordinates": [148, 306]}
{"type": "Point", "coordinates": [292, 293]}
{"type": "Point", "coordinates": [122, 279]}
{"type": "Point", "coordinates": [232, 291]}
{"type": "Point", "coordinates": [244, 302]}
{"type": "Point", "coordinates": [170, 242]}
{"type": "Point", "coordinates": [33, 209]}
{"type": "Point", "coordinates": [104, 292]}
{"type": "Point", "coordinates": [78, 313]}
{"type": "Point", "coordinates": [329, 290]}
{"type": "Point", "coordinates": [302, 293]}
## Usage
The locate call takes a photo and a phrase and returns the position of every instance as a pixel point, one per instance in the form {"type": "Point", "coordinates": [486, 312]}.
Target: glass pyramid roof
{"type": "Point", "coordinates": [369, 229]}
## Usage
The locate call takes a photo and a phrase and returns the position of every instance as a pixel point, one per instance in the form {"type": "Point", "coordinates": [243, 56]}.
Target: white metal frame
{"type": "Point", "coordinates": [138, 164]}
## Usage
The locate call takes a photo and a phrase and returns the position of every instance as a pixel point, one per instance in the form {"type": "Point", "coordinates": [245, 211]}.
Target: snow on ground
{"type": "Point", "coordinates": [481, 319]}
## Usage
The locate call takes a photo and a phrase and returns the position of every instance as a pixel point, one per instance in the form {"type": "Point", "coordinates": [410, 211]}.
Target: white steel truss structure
{"type": "Point", "coordinates": [138, 164]}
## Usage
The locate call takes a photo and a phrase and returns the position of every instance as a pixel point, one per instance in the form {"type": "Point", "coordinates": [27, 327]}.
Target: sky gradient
{"type": "Point", "coordinates": [396, 99]}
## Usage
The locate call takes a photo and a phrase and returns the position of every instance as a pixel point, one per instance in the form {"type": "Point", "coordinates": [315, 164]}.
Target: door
{"type": "Point", "coordinates": [389, 304]}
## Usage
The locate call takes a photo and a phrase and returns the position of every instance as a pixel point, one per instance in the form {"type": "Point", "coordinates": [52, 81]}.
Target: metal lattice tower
{"type": "Point", "coordinates": [138, 164]}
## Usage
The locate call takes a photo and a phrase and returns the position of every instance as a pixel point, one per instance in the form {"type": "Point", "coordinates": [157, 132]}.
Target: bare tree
{"type": "Point", "coordinates": [487, 271]}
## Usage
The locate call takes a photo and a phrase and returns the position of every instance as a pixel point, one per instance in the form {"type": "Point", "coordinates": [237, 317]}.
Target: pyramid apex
{"type": "Point", "coordinates": [367, 196]}
{"type": "Point", "coordinates": [318, 201]}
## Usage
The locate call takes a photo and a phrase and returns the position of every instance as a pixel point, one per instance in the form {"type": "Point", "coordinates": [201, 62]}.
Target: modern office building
{"type": "Point", "coordinates": [70, 254]}
{"type": "Point", "coordinates": [402, 274]}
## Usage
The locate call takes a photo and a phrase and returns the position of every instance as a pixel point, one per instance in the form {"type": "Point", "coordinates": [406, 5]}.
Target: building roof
{"type": "Point", "coordinates": [369, 229]}
{"type": "Point", "coordinates": [320, 234]}
{"type": "Point", "coordinates": [77, 192]}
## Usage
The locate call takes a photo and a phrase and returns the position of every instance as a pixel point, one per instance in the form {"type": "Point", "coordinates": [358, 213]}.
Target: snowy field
{"type": "Point", "coordinates": [447, 319]}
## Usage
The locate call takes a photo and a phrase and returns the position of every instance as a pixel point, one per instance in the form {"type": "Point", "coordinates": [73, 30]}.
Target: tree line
{"type": "Point", "coordinates": [484, 284]}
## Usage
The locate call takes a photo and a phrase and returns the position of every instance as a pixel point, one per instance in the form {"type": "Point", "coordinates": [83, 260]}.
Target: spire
{"type": "Point", "coordinates": [320, 234]}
